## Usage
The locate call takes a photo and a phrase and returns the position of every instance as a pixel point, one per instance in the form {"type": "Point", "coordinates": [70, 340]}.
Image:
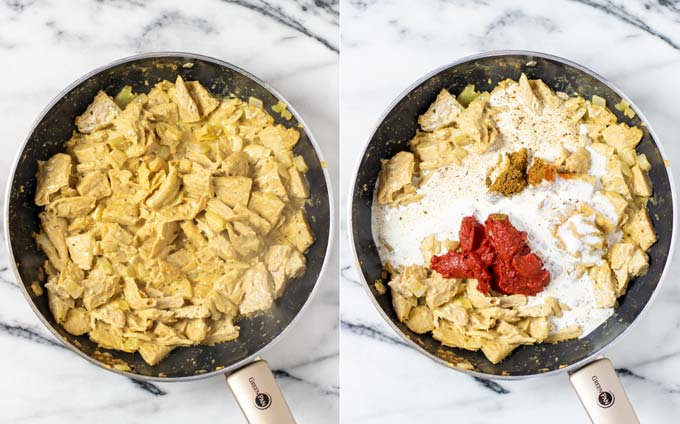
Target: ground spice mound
{"type": "Point", "coordinates": [540, 170]}
{"type": "Point", "coordinates": [511, 180]}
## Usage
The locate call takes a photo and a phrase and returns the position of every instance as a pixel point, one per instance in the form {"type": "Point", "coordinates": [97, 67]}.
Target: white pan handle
{"type": "Point", "coordinates": [602, 394]}
{"type": "Point", "coordinates": [258, 395]}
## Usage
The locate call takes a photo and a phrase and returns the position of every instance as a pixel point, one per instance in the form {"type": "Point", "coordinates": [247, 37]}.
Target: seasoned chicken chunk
{"type": "Point", "coordinates": [59, 306]}
{"type": "Point", "coordinates": [256, 221]}
{"type": "Point", "coordinates": [100, 113]}
{"type": "Point", "coordinates": [604, 283]}
{"type": "Point", "coordinates": [233, 190]}
{"type": "Point", "coordinates": [243, 238]}
{"type": "Point", "coordinates": [236, 164]}
{"type": "Point", "coordinates": [420, 320]}
{"type": "Point", "coordinates": [99, 287]}
{"type": "Point", "coordinates": [205, 101]}
{"type": "Point", "coordinates": [267, 205]}
{"type": "Point", "coordinates": [55, 228]}
{"type": "Point", "coordinates": [496, 351]}
{"type": "Point", "coordinates": [256, 153]}
{"type": "Point", "coordinates": [638, 263]}
{"type": "Point", "coordinates": [153, 353]}
{"type": "Point", "coordinates": [452, 335]}
{"type": "Point", "coordinates": [641, 229]}
{"type": "Point", "coordinates": [578, 161]}
{"type": "Point", "coordinates": [270, 177]}
{"type": "Point", "coordinates": [621, 136]}
{"type": "Point", "coordinates": [442, 112]}
{"type": "Point", "coordinates": [283, 262]}
{"type": "Point", "coordinates": [152, 235]}
{"type": "Point", "coordinates": [598, 118]}
{"type": "Point", "coordinates": [72, 207]}
{"type": "Point", "coordinates": [81, 249]}
{"type": "Point", "coordinates": [411, 281]}
{"type": "Point", "coordinates": [545, 94]}
{"type": "Point", "coordinates": [640, 184]}
{"type": "Point", "coordinates": [166, 191]}
{"type": "Point", "coordinates": [258, 289]}
{"type": "Point", "coordinates": [188, 109]}
{"type": "Point", "coordinates": [53, 174]}
{"type": "Point", "coordinates": [279, 138]}
{"type": "Point", "coordinates": [130, 123]}
{"type": "Point", "coordinates": [297, 231]}
{"type": "Point", "coordinates": [526, 93]}
{"type": "Point", "coordinates": [440, 290]}
{"type": "Point", "coordinates": [395, 175]}
{"type": "Point", "coordinates": [77, 322]}
{"type": "Point", "coordinates": [429, 247]}
{"type": "Point", "coordinates": [298, 185]}
{"type": "Point", "coordinates": [199, 182]}
{"type": "Point", "coordinates": [94, 184]}
{"type": "Point", "coordinates": [627, 261]}
{"type": "Point", "coordinates": [434, 150]}
{"type": "Point", "coordinates": [197, 330]}
{"type": "Point", "coordinates": [403, 304]}
{"type": "Point", "coordinates": [452, 312]}
{"type": "Point", "coordinates": [617, 176]}
{"type": "Point", "coordinates": [476, 125]}
{"type": "Point", "coordinates": [221, 330]}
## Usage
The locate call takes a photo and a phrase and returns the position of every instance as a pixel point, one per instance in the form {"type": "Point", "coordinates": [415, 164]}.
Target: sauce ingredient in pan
{"type": "Point", "coordinates": [565, 172]}
{"type": "Point", "coordinates": [495, 254]}
{"type": "Point", "coordinates": [169, 215]}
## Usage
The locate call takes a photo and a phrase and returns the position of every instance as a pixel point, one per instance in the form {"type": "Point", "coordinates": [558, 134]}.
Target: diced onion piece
{"type": "Point", "coordinates": [255, 102]}
{"type": "Point", "coordinates": [460, 153]}
{"type": "Point", "coordinates": [285, 158]}
{"type": "Point", "coordinates": [124, 97]}
{"type": "Point", "coordinates": [467, 95]}
{"type": "Point", "coordinates": [643, 162]}
{"type": "Point", "coordinates": [282, 109]}
{"type": "Point", "coordinates": [597, 100]}
{"type": "Point", "coordinates": [205, 133]}
{"type": "Point", "coordinates": [622, 105]}
{"type": "Point", "coordinates": [118, 158]}
{"type": "Point", "coordinates": [300, 164]}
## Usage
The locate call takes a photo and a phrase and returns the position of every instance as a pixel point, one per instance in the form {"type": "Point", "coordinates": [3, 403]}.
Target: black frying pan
{"type": "Point", "coordinates": [392, 134]}
{"type": "Point", "coordinates": [54, 127]}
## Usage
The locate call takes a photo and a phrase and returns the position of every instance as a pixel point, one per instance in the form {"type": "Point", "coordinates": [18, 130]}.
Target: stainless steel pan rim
{"type": "Point", "coordinates": [578, 364]}
{"type": "Point", "coordinates": [189, 56]}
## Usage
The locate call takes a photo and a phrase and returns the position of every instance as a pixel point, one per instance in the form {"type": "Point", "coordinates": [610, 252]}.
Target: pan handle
{"type": "Point", "coordinates": [602, 394]}
{"type": "Point", "coordinates": [258, 395]}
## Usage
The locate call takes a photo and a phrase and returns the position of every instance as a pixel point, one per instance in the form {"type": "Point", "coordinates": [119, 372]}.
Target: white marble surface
{"type": "Point", "coordinates": [388, 44]}
{"type": "Point", "coordinates": [46, 44]}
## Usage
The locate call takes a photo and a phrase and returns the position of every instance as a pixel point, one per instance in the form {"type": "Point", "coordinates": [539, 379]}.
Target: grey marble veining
{"type": "Point", "coordinates": [386, 45]}
{"type": "Point", "coordinates": [44, 46]}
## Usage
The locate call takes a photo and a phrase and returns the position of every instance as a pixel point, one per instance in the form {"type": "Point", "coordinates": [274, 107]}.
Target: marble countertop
{"type": "Point", "coordinates": [44, 46]}
{"type": "Point", "coordinates": [385, 46]}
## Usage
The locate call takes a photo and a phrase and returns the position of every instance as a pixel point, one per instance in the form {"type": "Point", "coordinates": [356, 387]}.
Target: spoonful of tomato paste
{"type": "Point", "coordinates": [497, 255]}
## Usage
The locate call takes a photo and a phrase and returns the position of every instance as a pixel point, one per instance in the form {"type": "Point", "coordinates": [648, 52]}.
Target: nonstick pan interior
{"type": "Point", "coordinates": [55, 128]}
{"type": "Point", "coordinates": [399, 125]}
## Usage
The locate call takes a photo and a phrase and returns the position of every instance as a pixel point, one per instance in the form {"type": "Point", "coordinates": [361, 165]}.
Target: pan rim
{"type": "Point", "coordinates": [188, 56]}
{"type": "Point", "coordinates": [350, 225]}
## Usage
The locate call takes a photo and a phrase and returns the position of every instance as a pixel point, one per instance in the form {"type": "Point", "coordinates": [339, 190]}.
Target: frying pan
{"type": "Point", "coordinates": [593, 378]}
{"type": "Point", "coordinates": [250, 379]}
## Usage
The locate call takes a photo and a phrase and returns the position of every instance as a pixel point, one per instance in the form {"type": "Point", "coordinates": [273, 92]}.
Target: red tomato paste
{"type": "Point", "coordinates": [497, 255]}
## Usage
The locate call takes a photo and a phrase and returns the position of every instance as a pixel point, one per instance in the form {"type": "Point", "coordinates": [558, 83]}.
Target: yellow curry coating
{"type": "Point", "coordinates": [169, 215]}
